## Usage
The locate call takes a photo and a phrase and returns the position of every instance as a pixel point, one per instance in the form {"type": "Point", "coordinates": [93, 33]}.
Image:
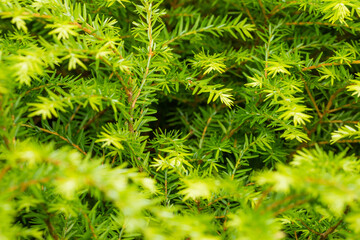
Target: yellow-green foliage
{"type": "Point", "coordinates": [179, 119]}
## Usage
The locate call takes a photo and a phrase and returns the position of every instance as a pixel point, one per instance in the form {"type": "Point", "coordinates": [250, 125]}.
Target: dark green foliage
{"type": "Point", "coordinates": [181, 119]}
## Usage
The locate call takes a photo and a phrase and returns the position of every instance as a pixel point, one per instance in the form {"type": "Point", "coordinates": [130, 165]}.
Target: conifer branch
{"type": "Point", "coordinates": [340, 121]}
{"type": "Point", "coordinates": [56, 134]}
{"type": "Point", "coordinates": [248, 12]}
{"type": "Point", "coordinates": [24, 185]}
{"type": "Point", "coordinates": [72, 117]}
{"type": "Point", "coordinates": [290, 206]}
{"type": "Point", "coordinates": [342, 107]}
{"type": "Point", "coordinates": [137, 83]}
{"type": "Point", "coordinates": [328, 142]}
{"type": "Point", "coordinates": [263, 11]}
{"type": "Point", "coordinates": [322, 24]}
{"type": "Point", "coordinates": [280, 7]}
{"type": "Point", "coordinates": [262, 197]}
{"type": "Point", "coordinates": [4, 170]}
{"type": "Point", "coordinates": [91, 120]}
{"type": "Point", "coordinates": [311, 230]}
{"type": "Point", "coordinates": [330, 230]}
{"type": "Point", "coordinates": [205, 128]}
{"type": "Point", "coordinates": [312, 98]}
{"type": "Point", "coordinates": [51, 228]}
{"type": "Point", "coordinates": [329, 65]}
{"type": "Point", "coordinates": [280, 202]}
{"type": "Point", "coordinates": [43, 86]}
{"type": "Point", "coordinates": [90, 225]}
{"type": "Point", "coordinates": [331, 100]}
{"type": "Point", "coordinates": [296, 237]}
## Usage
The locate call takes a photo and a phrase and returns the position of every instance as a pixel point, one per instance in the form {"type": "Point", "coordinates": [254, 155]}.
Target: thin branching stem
{"type": "Point", "coordinates": [56, 134]}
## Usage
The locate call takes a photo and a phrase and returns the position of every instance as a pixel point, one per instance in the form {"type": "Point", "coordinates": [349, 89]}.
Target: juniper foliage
{"type": "Point", "coordinates": [179, 119]}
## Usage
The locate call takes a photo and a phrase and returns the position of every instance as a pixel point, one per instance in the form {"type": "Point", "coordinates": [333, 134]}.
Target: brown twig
{"type": "Point", "coordinates": [263, 195]}
{"type": "Point", "coordinates": [321, 24]}
{"type": "Point", "coordinates": [117, 75]}
{"type": "Point", "coordinates": [340, 141]}
{"type": "Point", "coordinates": [72, 116]}
{"type": "Point", "coordinates": [312, 98]}
{"type": "Point", "coordinates": [205, 129]}
{"type": "Point", "coordinates": [307, 227]}
{"type": "Point", "coordinates": [56, 134]}
{"type": "Point", "coordinates": [330, 230]}
{"type": "Point", "coordinates": [27, 13]}
{"type": "Point", "coordinates": [325, 234]}
{"type": "Point", "coordinates": [344, 106]}
{"type": "Point", "coordinates": [330, 102]}
{"type": "Point", "coordinates": [178, 15]}
{"type": "Point", "coordinates": [43, 86]}
{"type": "Point", "coordinates": [113, 160]}
{"type": "Point", "coordinates": [278, 8]}
{"type": "Point", "coordinates": [231, 133]}
{"type": "Point", "coordinates": [91, 32]}
{"type": "Point", "coordinates": [87, 30]}
{"type": "Point", "coordinates": [298, 203]}
{"type": "Point", "coordinates": [51, 228]}
{"type": "Point", "coordinates": [263, 11]}
{"type": "Point", "coordinates": [4, 171]}
{"type": "Point", "coordinates": [341, 121]}
{"type": "Point", "coordinates": [6, 141]}
{"type": "Point", "coordinates": [216, 200]}
{"type": "Point", "coordinates": [128, 92]}
{"type": "Point", "coordinates": [90, 225]}
{"type": "Point", "coordinates": [275, 204]}
{"type": "Point", "coordinates": [91, 120]}
{"type": "Point", "coordinates": [248, 12]}
{"type": "Point", "coordinates": [24, 185]}
{"type": "Point", "coordinates": [328, 65]}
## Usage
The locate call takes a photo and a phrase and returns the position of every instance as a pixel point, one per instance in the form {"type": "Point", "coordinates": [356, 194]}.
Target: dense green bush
{"type": "Point", "coordinates": [179, 119]}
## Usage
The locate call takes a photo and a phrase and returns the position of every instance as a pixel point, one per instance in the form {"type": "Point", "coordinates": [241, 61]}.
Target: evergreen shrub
{"type": "Point", "coordinates": [179, 119]}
